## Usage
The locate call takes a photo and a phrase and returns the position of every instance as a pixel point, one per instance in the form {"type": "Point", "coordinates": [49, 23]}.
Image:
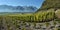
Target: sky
{"type": "Point", "coordinates": [36, 3]}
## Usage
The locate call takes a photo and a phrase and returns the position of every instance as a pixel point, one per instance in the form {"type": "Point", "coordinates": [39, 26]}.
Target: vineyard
{"type": "Point", "coordinates": [40, 16]}
{"type": "Point", "coordinates": [13, 22]}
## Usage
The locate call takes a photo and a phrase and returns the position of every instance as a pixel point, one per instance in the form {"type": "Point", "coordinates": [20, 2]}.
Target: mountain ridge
{"type": "Point", "coordinates": [18, 8]}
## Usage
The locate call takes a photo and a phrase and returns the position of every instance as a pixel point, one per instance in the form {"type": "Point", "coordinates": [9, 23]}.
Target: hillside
{"type": "Point", "coordinates": [51, 4]}
{"type": "Point", "coordinates": [47, 4]}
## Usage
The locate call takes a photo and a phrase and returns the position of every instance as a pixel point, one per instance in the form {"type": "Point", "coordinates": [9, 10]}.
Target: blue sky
{"type": "Point", "coordinates": [36, 3]}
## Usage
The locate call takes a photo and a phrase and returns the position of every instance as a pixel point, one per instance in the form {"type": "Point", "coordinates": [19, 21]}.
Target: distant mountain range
{"type": "Point", "coordinates": [6, 8]}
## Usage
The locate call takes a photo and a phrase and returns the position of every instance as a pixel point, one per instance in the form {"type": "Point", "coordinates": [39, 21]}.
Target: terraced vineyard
{"type": "Point", "coordinates": [40, 16]}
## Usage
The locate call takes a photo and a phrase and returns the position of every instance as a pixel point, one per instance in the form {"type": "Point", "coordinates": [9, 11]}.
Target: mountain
{"type": "Point", "coordinates": [17, 8]}
{"type": "Point", "coordinates": [47, 4]}
{"type": "Point", "coordinates": [51, 4]}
